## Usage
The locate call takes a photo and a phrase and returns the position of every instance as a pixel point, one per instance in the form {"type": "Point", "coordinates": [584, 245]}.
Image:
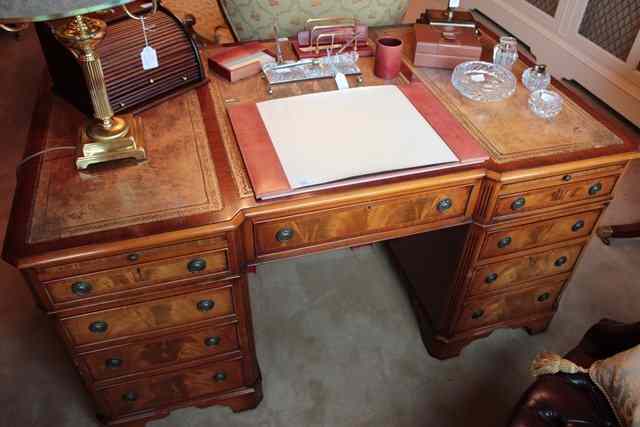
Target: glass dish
{"type": "Point", "coordinates": [483, 81]}
{"type": "Point", "coordinates": [545, 103]}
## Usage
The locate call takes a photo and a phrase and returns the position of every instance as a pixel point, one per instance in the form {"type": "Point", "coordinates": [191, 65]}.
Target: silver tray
{"type": "Point", "coordinates": [483, 81]}
{"type": "Point", "coordinates": [311, 69]}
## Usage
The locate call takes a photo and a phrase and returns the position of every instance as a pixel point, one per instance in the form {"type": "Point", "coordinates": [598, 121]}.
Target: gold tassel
{"type": "Point", "coordinates": [551, 363]}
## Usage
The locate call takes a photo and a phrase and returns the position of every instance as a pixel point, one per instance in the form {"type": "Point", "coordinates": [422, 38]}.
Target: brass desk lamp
{"type": "Point", "coordinates": [107, 137]}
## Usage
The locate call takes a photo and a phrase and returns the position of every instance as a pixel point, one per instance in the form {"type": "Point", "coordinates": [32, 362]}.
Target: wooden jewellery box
{"type": "Point", "coordinates": [445, 47]}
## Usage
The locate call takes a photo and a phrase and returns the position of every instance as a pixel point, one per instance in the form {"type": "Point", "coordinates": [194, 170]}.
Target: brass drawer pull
{"type": "Point", "coordinates": [81, 288]}
{"type": "Point", "coordinates": [544, 297]}
{"type": "Point", "coordinates": [130, 396]}
{"type": "Point", "coordinates": [560, 261]}
{"type": "Point", "coordinates": [212, 341]}
{"type": "Point", "coordinates": [567, 178]}
{"type": "Point", "coordinates": [99, 327]}
{"type": "Point", "coordinates": [518, 203]}
{"type": "Point", "coordinates": [503, 243]}
{"type": "Point", "coordinates": [220, 377]}
{"type": "Point", "coordinates": [491, 278]}
{"type": "Point", "coordinates": [444, 205]}
{"type": "Point", "coordinates": [206, 305]}
{"type": "Point", "coordinates": [284, 234]}
{"type": "Point", "coordinates": [579, 225]}
{"type": "Point", "coordinates": [133, 257]}
{"type": "Point", "coordinates": [595, 189]}
{"type": "Point", "coordinates": [477, 314]}
{"type": "Point", "coordinates": [196, 265]}
{"type": "Point", "coordinates": [113, 363]}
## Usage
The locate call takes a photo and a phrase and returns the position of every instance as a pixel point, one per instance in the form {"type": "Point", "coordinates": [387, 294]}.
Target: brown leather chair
{"type": "Point", "coordinates": [573, 399]}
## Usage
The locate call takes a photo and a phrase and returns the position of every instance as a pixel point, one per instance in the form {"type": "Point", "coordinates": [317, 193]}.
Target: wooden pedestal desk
{"type": "Point", "coordinates": [143, 267]}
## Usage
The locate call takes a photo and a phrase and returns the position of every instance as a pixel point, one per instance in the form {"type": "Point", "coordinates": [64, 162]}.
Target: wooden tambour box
{"type": "Point", "coordinates": [143, 267]}
{"type": "Point", "coordinates": [129, 86]}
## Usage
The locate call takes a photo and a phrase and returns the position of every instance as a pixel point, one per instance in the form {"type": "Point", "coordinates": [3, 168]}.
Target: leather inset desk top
{"type": "Point", "coordinates": [177, 180]}
{"type": "Point", "coordinates": [509, 131]}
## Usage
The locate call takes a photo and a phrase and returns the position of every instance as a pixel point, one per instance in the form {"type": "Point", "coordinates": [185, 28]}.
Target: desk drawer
{"type": "Point", "coordinates": [562, 179]}
{"type": "Point", "coordinates": [555, 196]}
{"type": "Point", "coordinates": [132, 258]}
{"type": "Point", "coordinates": [149, 316]}
{"type": "Point", "coordinates": [159, 352]}
{"type": "Point", "coordinates": [518, 304]}
{"type": "Point", "coordinates": [505, 241]}
{"type": "Point", "coordinates": [136, 277]}
{"type": "Point", "coordinates": [314, 228]}
{"type": "Point", "coordinates": [172, 388]}
{"type": "Point", "coordinates": [503, 275]}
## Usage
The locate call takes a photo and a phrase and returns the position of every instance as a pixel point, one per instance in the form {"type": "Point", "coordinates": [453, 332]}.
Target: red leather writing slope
{"type": "Point", "coordinates": [269, 179]}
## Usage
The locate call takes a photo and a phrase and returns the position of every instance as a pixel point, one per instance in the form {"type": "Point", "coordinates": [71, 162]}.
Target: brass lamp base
{"type": "Point", "coordinates": [124, 141]}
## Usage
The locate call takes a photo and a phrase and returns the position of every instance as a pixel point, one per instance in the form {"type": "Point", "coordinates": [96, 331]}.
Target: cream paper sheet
{"type": "Point", "coordinates": [331, 136]}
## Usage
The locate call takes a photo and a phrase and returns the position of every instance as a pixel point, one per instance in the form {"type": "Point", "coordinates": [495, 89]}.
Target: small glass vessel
{"type": "Point", "coordinates": [505, 53]}
{"type": "Point", "coordinates": [545, 103]}
{"type": "Point", "coordinates": [536, 78]}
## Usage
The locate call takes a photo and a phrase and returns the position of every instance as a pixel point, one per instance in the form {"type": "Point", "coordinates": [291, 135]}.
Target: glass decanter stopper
{"type": "Point", "coordinates": [536, 78]}
{"type": "Point", "coordinates": [505, 53]}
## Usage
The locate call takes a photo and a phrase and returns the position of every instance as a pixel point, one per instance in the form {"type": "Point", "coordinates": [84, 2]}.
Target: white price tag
{"type": "Point", "coordinates": [149, 58]}
{"type": "Point", "coordinates": [341, 81]}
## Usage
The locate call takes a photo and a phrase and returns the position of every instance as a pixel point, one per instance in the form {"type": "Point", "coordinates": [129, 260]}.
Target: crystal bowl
{"type": "Point", "coordinates": [545, 103]}
{"type": "Point", "coordinates": [483, 81]}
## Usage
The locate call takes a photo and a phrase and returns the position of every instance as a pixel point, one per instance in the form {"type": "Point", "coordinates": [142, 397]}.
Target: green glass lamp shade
{"type": "Point", "coordinates": [12, 11]}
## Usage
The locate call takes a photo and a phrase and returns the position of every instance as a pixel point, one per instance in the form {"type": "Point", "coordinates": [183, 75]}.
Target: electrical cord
{"type": "Point", "coordinates": [40, 153]}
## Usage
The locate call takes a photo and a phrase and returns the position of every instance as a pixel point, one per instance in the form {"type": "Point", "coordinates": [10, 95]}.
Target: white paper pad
{"type": "Point", "coordinates": [330, 136]}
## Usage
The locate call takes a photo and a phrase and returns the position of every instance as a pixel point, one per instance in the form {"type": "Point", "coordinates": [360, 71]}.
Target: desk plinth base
{"type": "Point", "coordinates": [129, 146]}
{"type": "Point", "coordinates": [238, 400]}
{"type": "Point", "coordinates": [443, 348]}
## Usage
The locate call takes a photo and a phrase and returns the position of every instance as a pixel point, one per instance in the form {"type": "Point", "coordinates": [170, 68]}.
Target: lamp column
{"type": "Point", "coordinates": [109, 137]}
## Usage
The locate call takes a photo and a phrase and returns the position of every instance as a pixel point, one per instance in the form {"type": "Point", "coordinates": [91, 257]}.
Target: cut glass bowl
{"type": "Point", "coordinates": [483, 81]}
{"type": "Point", "coordinates": [545, 104]}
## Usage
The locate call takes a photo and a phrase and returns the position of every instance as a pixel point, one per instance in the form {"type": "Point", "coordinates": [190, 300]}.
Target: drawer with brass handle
{"type": "Point", "coordinates": [136, 277]}
{"type": "Point", "coordinates": [540, 298]}
{"type": "Point", "coordinates": [554, 196]}
{"type": "Point", "coordinates": [503, 241]}
{"type": "Point", "coordinates": [503, 275]}
{"type": "Point", "coordinates": [159, 352]}
{"type": "Point", "coordinates": [567, 178]}
{"type": "Point", "coordinates": [342, 223]}
{"type": "Point", "coordinates": [172, 387]}
{"type": "Point", "coordinates": [131, 258]}
{"type": "Point", "coordinates": [149, 316]}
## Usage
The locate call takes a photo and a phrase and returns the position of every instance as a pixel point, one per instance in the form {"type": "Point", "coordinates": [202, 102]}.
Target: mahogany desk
{"type": "Point", "coordinates": [143, 267]}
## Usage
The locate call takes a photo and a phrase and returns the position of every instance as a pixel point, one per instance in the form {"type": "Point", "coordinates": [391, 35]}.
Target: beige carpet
{"type": "Point", "coordinates": [336, 339]}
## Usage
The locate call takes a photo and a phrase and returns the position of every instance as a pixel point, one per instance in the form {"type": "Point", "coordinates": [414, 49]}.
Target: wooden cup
{"type": "Point", "coordinates": [388, 57]}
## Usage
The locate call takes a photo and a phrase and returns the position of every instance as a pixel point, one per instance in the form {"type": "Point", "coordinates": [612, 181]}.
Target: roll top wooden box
{"type": "Point", "coordinates": [129, 86]}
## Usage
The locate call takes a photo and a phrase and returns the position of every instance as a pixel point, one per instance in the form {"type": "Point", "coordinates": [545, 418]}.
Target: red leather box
{"type": "Point", "coordinates": [445, 47]}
